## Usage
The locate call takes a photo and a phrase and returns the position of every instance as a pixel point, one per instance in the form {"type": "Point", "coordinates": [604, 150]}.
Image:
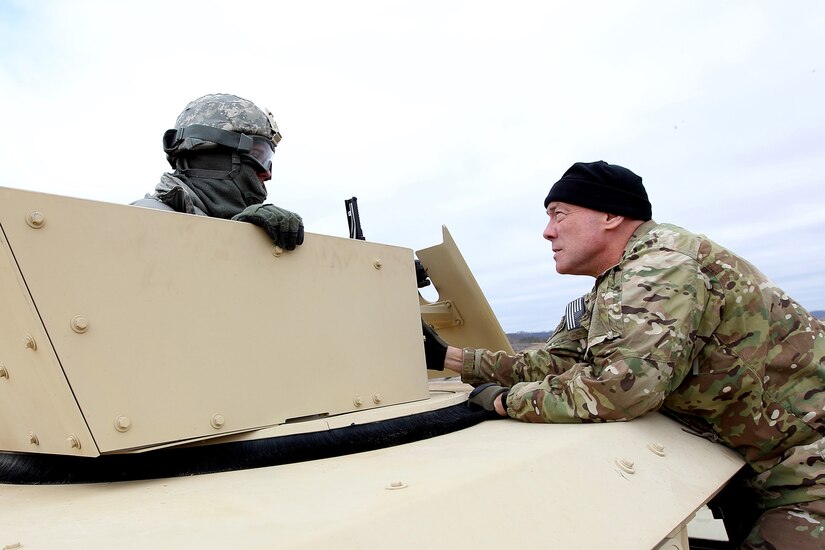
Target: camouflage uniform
{"type": "Point", "coordinates": [684, 325]}
{"type": "Point", "coordinates": [789, 527]}
{"type": "Point", "coordinates": [189, 202]}
{"type": "Point", "coordinates": [221, 150]}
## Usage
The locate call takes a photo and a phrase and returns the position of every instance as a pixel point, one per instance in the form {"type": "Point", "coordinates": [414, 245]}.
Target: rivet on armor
{"type": "Point", "coordinates": [377, 264]}
{"type": "Point", "coordinates": [357, 401]}
{"type": "Point", "coordinates": [376, 398]}
{"type": "Point", "coordinates": [33, 438]}
{"type": "Point", "coordinates": [657, 449]}
{"type": "Point", "coordinates": [74, 442]}
{"type": "Point", "coordinates": [30, 343]}
{"type": "Point", "coordinates": [3, 372]}
{"type": "Point", "coordinates": [35, 219]}
{"type": "Point", "coordinates": [277, 251]}
{"type": "Point", "coordinates": [626, 465]}
{"type": "Point", "coordinates": [218, 421]}
{"type": "Point", "coordinates": [80, 324]}
{"type": "Point", "coordinates": [396, 485]}
{"type": "Point", "coordinates": [123, 423]}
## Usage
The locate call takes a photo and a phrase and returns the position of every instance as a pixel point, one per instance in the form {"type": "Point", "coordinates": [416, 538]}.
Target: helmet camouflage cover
{"type": "Point", "coordinates": [226, 112]}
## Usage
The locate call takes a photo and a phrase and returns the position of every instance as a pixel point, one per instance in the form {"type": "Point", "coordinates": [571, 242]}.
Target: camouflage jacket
{"type": "Point", "coordinates": [684, 325]}
{"type": "Point", "coordinates": [173, 191]}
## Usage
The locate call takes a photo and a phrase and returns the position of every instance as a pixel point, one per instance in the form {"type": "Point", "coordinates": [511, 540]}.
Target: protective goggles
{"type": "Point", "coordinates": [262, 152]}
{"type": "Point", "coordinates": [257, 147]}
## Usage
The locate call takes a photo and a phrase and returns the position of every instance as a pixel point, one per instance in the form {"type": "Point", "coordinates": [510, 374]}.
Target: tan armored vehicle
{"type": "Point", "coordinates": [174, 381]}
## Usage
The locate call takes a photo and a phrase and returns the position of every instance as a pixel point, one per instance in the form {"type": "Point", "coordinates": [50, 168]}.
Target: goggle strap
{"type": "Point", "coordinates": [233, 140]}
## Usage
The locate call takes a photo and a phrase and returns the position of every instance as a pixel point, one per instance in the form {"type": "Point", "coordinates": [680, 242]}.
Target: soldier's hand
{"type": "Point", "coordinates": [435, 349]}
{"type": "Point", "coordinates": [484, 397]}
{"type": "Point", "coordinates": [421, 274]}
{"type": "Point", "coordinates": [285, 228]}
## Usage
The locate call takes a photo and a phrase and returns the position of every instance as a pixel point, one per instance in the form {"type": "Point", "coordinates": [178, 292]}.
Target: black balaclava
{"type": "Point", "coordinates": [221, 180]}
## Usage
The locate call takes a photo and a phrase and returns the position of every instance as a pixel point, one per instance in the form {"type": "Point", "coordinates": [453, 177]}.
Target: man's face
{"type": "Point", "coordinates": [264, 177]}
{"type": "Point", "coordinates": [262, 152]}
{"type": "Point", "coordinates": [578, 238]}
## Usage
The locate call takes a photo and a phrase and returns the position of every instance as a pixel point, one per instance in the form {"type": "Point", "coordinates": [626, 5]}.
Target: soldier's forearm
{"type": "Point", "coordinates": [454, 359]}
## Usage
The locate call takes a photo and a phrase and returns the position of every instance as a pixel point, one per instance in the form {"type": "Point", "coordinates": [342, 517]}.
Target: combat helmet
{"type": "Point", "coordinates": [224, 121]}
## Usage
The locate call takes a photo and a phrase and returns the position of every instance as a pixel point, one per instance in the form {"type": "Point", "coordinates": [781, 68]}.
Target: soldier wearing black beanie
{"type": "Point", "coordinates": [604, 187]}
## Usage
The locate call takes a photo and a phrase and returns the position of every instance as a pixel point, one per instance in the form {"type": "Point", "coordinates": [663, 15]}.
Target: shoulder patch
{"type": "Point", "coordinates": [573, 313]}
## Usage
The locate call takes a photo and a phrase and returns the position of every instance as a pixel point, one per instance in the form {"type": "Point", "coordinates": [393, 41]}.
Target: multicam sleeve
{"type": "Point", "coordinates": [640, 345]}
{"type": "Point", "coordinates": [562, 350]}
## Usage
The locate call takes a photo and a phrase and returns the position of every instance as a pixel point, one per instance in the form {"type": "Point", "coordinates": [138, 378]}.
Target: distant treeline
{"type": "Point", "coordinates": [527, 337]}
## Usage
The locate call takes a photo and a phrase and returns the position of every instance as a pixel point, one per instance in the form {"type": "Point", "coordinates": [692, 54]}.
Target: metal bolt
{"type": "Point", "coordinates": [35, 219]}
{"type": "Point", "coordinates": [657, 448]}
{"type": "Point", "coordinates": [357, 401]}
{"type": "Point", "coordinates": [30, 343]}
{"type": "Point", "coordinates": [74, 442]}
{"type": "Point", "coordinates": [377, 264]}
{"type": "Point", "coordinates": [123, 423]}
{"type": "Point", "coordinates": [79, 324]}
{"type": "Point", "coordinates": [33, 439]}
{"type": "Point", "coordinates": [218, 421]}
{"type": "Point", "coordinates": [3, 372]}
{"type": "Point", "coordinates": [376, 398]}
{"type": "Point", "coordinates": [626, 465]}
{"type": "Point", "coordinates": [13, 546]}
{"type": "Point", "coordinates": [396, 485]}
{"type": "Point", "coordinates": [277, 251]}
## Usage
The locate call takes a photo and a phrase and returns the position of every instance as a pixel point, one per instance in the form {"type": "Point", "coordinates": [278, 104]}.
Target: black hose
{"type": "Point", "coordinates": [43, 469]}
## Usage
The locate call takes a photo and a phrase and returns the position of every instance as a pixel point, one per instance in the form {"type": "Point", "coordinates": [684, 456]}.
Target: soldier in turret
{"type": "Point", "coordinates": [221, 151]}
{"type": "Point", "coordinates": [674, 323]}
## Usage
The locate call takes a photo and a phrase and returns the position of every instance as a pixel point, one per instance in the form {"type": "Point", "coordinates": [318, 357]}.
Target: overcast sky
{"type": "Point", "coordinates": [454, 113]}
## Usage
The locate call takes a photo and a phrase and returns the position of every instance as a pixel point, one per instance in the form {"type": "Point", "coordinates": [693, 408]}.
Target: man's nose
{"type": "Point", "coordinates": [549, 231]}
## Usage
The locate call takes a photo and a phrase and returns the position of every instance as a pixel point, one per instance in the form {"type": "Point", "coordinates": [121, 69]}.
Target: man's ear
{"type": "Point", "coordinates": [613, 221]}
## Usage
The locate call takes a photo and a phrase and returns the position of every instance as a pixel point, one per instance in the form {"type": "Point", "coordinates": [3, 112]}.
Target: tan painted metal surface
{"type": "Point", "coordinates": [172, 327]}
{"type": "Point", "coordinates": [498, 484]}
{"type": "Point", "coordinates": [38, 412]}
{"type": "Point", "coordinates": [461, 314]}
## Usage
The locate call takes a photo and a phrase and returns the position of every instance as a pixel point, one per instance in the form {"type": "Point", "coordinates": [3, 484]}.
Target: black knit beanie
{"type": "Point", "coordinates": [604, 187]}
